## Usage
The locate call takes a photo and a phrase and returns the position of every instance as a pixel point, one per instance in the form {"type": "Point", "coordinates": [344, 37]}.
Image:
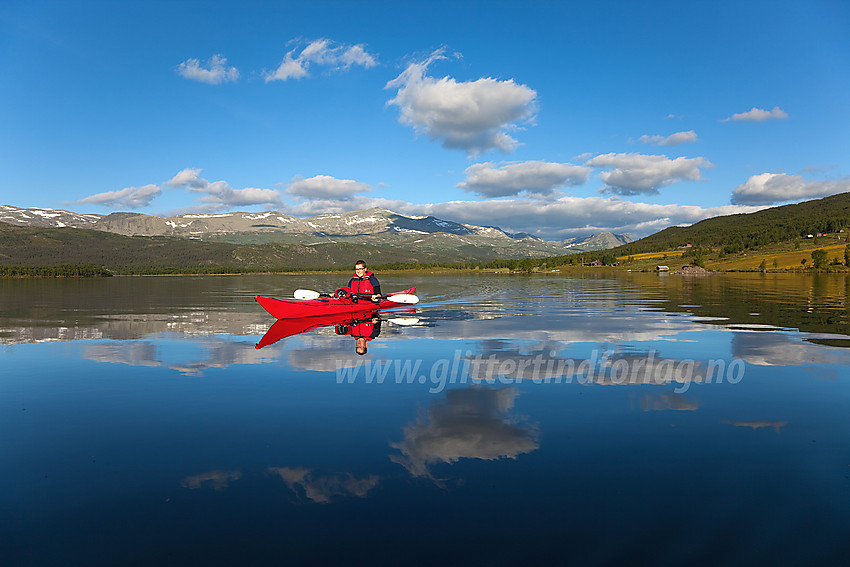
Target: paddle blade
{"type": "Point", "coordinates": [306, 294]}
{"type": "Point", "coordinates": [408, 298]}
{"type": "Point", "coordinates": [404, 321]}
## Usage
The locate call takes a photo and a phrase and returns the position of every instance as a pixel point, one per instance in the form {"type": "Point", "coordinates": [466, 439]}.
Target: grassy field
{"type": "Point", "coordinates": [783, 256]}
{"type": "Point", "coordinates": [782, 260]}
{"type": "Point", "coordinates": [653, 255]}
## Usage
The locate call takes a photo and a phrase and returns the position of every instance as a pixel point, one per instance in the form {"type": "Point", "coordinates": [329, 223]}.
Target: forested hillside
{"type": "Point", "coordinates": [27, 246]}
{"type": "Point", "coordinates": [734, 233]}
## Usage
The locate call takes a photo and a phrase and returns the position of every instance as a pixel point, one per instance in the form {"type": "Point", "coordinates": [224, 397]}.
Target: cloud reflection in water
{"type": "Point", "coordinates": [471, 423]}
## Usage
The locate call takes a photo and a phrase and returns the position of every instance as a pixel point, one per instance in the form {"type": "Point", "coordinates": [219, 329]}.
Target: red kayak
{"type": "Point", "coordinates": [292, 308]}
{"type": "Point", "coordinates": [295, 326]}
{"type": "Point", "coordinates": [284, 328]}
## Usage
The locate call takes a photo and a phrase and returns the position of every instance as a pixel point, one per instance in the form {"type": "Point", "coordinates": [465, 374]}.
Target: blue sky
{"type": "Point", "coordinates": [554, 118]}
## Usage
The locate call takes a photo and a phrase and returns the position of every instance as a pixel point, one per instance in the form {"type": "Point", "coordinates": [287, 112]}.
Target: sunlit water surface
{"type": "Point", "coordinates": [509, 420]}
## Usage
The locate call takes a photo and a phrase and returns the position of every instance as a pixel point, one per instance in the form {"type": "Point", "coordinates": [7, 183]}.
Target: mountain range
{"type": "Point", "coordinates": [378, 227]}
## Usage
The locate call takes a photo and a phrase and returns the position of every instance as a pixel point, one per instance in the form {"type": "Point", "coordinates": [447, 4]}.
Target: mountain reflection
{"type": "Point", "coordinates": [470, 423]}
{"type": "Point", "coordinates": [215, 353]}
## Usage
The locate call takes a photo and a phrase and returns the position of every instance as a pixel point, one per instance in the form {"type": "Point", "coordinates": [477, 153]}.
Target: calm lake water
{"type": "Point", "coordinates": [509, 420]}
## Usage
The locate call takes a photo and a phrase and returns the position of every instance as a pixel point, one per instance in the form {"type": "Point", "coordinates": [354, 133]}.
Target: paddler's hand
{"type": "Point", "coordinates": [376, 297]}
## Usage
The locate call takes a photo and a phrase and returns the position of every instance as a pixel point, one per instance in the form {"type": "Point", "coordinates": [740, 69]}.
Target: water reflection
{"type": "Point", "coordinates": [591, 402]}
{"type": "Point", "coordinates": [211, 352]}
{"type": "Point", "coordinates": [325, 488]}
{"type": "Point", "coordinates": [217, 480]}
{"type": "Point", "coordinates": [664, 401]}
{"type": "Point", "coordinates": [362, 327]}
{"type": "Point", "coordinates": [470, 423]}
{"type": "Point", "coordinates": [784, 349]}
{"type": "Point", "coordinates": [755, 425]}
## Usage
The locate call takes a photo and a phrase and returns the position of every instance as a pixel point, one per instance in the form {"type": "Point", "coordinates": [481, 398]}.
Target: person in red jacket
{"type": "Point", "coordinates": [363, 329]}
{"type": "Point", "coordinates": [364, 284]}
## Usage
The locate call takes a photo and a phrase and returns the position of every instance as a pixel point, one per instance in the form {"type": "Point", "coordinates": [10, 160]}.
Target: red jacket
{"type": "Point", "coordinates": [363, 328]}
{"type": "Point", "coordinates": [367, 284]}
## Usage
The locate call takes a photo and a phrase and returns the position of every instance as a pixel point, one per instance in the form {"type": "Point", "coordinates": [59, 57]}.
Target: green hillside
{"type": "Point", "coordinates": [735, 233]}
{"type": "Point", "coordinates": [21, 246]}
{"type": "Point", "coordinates": [25, 246]}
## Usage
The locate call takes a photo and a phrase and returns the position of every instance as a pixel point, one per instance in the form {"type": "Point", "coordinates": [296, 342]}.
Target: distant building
{"type": "Point", "coordinates": [662, 268]}
{"type": "Point", "coordinates": [596, 263]}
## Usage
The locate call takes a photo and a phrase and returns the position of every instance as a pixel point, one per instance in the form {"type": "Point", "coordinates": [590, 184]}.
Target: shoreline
{"type": "Point", "coordinates": [561, 270]}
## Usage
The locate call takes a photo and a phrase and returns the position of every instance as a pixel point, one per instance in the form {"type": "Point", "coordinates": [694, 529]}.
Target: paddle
{"type": "Point", "coordinates": [404, 321]}
{"type": "Point", "coordinates": [407, 298]}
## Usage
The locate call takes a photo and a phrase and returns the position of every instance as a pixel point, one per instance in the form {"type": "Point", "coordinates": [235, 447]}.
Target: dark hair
{"type": "Point", "coordinates": [360, 262]}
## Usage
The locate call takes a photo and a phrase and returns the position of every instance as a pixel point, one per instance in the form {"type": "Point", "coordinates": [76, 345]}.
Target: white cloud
{"type": "Point", "coordinates": [758, 115]}
{"type": "Point", "coordinates": [326, 187]}
{"type": "Point", "coordinates": [769, 188]}
{"type": "Point", "coordinates": [129, 197]}
{"type": "Point", "coordinates": [320, 52]}
{"type": "Point", "coordinates": [671, 140]}
{"type": "Point", "coordinates": [639, 173]}
{"type": "Point", "coordinates": [552, 219]}
{"type": "Point", "coordinates": [572, 216]}
{"type": "Point", "coordinates": [215, 73]}
{"type": "Point", "coordinates": [556, 217]}
{"type": "Point", "coordinates": [473, 116]}
{"type": "Point", "coordinates": [185, 177]}
{"type": "Point", "coordinates": [536, 178]}
{"type": "Point", "coordinates": [220, 195]}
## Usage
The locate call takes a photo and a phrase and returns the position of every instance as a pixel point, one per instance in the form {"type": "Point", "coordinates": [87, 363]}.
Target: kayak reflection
{"type": "Point", "coordinates": [362, 327]}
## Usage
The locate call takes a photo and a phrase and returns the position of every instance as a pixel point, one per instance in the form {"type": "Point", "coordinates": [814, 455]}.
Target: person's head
{"type": "Point", "coordinates": [359, 267]}
{"type": "Point", "coordinates": [361, 346]}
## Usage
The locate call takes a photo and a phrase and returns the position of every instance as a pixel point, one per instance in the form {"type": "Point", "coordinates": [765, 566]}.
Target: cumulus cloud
{"type": "Point", "coordinates": [758, 115]}
{"type": "Point", "coordinates": [572, 216]}
{"type": "Point", "coordinates": [215, 72]}
{"type": "Point", "coordinates": [186, 176]}
{"type": "Point", "coordinates": [473, 116]}
{"type": "Point", "coordinates": [632, 174]}
{"type": "Point", "coordinates": [129, 197]}
{"type": "Point", "coordinates": [770, 188]}
{"type": "Point", "coordinates": [536, 178]}
{"type": "Point", "coordinates": [320, 52]}
{"type": "Point", "coordinates": [553, 219]}
{"type": "Point", "coordinates": [326, 187]}
{"type": "Point", "coordinates": [671, 140]}
{"type": "Point", "coordinates": [220, 195]}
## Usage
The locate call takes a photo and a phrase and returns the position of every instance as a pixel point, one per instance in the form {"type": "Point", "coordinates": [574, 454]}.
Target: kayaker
{"type": "Point", "coordinates": [364, 284]}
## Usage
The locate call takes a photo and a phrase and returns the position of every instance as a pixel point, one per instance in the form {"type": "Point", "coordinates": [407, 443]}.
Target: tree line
{"type": "Point", "coordinates": [60, 271]}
